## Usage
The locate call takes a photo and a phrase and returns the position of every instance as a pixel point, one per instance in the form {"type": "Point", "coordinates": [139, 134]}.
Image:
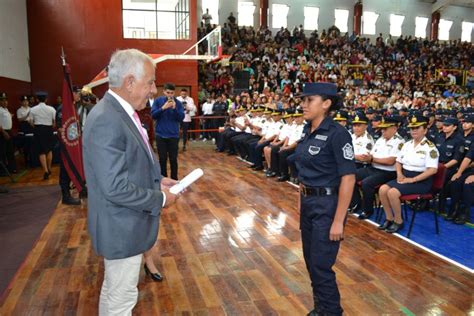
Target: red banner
{"type": "Point", "coordinates": [70, 135]}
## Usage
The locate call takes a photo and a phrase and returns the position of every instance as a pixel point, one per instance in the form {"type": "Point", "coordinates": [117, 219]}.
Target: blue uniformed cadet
{"type": "Point", "coordinates": [468, 131]}
{"type": "Point", "coordinates": [324, 160]}
{"type": "Point", "coordinates": [432, 130]}
{"type": "Point", "coordinates": [416, 165]}
{"type": "Point", "coordinates": [462, 191]}
{"type": "Point", "coordinates": [450, 145]}
{"type": "Point", "coordinates": [361, 139]}
{"type": "Point", "coordinates": [373, 127]}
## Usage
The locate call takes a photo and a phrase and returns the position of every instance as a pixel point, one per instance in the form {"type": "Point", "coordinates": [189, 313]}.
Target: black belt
{"type": "Point", "coordinates": [318, 191]}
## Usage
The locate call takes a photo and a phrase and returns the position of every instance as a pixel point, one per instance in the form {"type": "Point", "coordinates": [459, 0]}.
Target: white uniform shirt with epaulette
{"type": "Point", "coordinates": [386, 149]}
{"type": "Point", "coordinates": [43, 114]}
{"type": "Point", "coordinates": [296, 134]}
{"type": "Point", "coordinates": [274, 129]}
{"type": "Point", "coordinates": [285, 132]}
{"type": "Point", "coordinates": [420, 157]}
{"type": "Point", "coordinates": [241, 121]}
{"type": "Point", "coordinates": [362, 144]}
{"type": "Point", "coordinates": [5, 119]}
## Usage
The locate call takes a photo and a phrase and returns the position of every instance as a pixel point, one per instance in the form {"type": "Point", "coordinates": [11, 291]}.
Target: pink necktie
{"type": "Point", "coordinates": [142, 132]}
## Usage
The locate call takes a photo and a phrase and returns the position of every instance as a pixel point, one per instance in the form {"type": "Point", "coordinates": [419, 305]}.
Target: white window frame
{"type": "Point", "coordinates": [311, 18]}
{"type": "Point", "coordinates": [443, 29]}
{"type": "Point", "coordinates": [213, 6]}
{"type": "Point", "coordinates": [341, 20]}
{"type": "Point", "coordinates": [466, 32]}
{"type": "Point", "coordinates": [245, 15]}
{"type": "Point", "coordinates": [277, 20]}
{"type": "Point", "coordinates": [421, 23]}
{"type": "Point", "coordinates": [396, 23]}
{"type": "Point", "coordinates": [369, 21]}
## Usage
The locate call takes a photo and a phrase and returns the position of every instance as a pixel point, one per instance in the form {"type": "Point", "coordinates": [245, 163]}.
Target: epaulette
{"type": "Point", "coordinates": [396, 136]}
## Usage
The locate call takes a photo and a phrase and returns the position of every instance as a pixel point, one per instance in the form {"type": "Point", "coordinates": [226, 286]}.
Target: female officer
{"type": "Point", "coordinates": [324, 159]}
{"type": "Point", "coordinates": [416, 164]}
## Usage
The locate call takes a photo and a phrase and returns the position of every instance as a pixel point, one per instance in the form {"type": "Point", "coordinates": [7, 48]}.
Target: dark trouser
{"type": "Point", "coordinates": [317, 215]}
{"type": "Point", "coordinates": [291, 163]}
{"type": "Point", "coordinates": [370, 177]}
{"type": "Point", "coordinates": [462, 193]}
{"type": "Point", "coordinates": [240, 144]}
{"type": "Point", "coordinates": [257, 153]}
{"type": "Point", "coordinates": [361, 165]}
{"type": "Point", "coordinates": [185, 127]}
{"type": "Point", "coordinates": [7, 152]}
{"type": "Point", "coordinates": [228, 143]}
{"type": "Point", "coordinates": [223, 139]}
{"type": "Point", "coordinates": [445, 190]}
{"type": "Point", "coordinates": [168, 148]}
{"type": "Point", "coordinates": [208, 124]}
{"type": "Point", "coordinates": [64, 179]}
{"type": "Point", "coordinates": [274, 162]}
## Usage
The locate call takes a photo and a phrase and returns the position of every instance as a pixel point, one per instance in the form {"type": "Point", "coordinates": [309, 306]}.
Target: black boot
{"type": "Point", "coordinates": [69, 200]}
{"type": "Point", "coordinates": [461, 217]}
{"type": "Point", "coordinates": [453, 212]}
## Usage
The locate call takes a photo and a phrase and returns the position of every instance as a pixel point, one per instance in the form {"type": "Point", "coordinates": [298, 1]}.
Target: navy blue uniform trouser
{"type": "Point", "coordinates": [274, 165]}
{"type": "Point", "coordinates": [462, 192]}
{"type": "Point", "coordinates": [238, 142]}
{"type": "Point", "coordinates": [445, 190]}
{"type": "Point", "coordinates": [257, 152]}
{"type": "Point", "coordinates": [317, 215]}
{"type": "Point", "coordinates": [370, 177]}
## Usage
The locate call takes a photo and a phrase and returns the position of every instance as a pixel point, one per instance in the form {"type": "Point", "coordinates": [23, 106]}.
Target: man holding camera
{"type": "Point", "coordinates": [168, 113]}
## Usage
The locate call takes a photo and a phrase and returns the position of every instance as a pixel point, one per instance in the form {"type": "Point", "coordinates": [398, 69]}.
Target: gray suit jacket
{"type": "Point", "coordinates": [123, 182]}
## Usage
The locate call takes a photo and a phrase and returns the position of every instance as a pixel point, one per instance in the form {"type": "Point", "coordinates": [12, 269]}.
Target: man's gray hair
{"type": "Point", "coordinates": [126, 62]}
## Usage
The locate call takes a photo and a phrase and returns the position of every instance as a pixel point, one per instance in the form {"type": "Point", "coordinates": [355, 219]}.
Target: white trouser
{"type": "Point", "coordinates": [119, 292]}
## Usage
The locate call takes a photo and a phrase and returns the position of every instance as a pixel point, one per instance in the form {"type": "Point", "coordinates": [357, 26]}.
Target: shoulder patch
{"type": "Point", "coordinates": [400, 146]}
{"type": "Point", "coordinates": [369, 146]}
{"type": "Point", "coordinates": [348, 151]}
{"type": "Point", "coordinates": [433, 154]}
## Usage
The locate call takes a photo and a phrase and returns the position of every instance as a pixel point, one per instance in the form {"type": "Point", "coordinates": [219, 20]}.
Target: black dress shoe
{"type": "Point", "coordinates": [283, 178]}
{"type": "Point", "coordinates": [395, 227]}
{"type": "Point", "coordinates": [385, 225]}
{"type": "Point", "coordinates": [365, 215]}
{"type": "Point", "coordinates": [154, 276]}
{"type": "Point", "coordinates": [69, 200]}
{"type": "Point", "coordinates": [45, 176]}
{"type": "Point", "coordinates": [461, 219]}
{"type": "Point", "coordinates": [271, 174]}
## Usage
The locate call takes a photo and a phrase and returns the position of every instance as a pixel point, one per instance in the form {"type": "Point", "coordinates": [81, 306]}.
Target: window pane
{"type": "Point", "coordinates": [166, 25]}
{"type": "Point", "coordinates": [279, 15]}
{"type": "Point", "coordinates": [139, 4]}
{"type": "Point", "coordinates": [341, 19]}
{"type": "Point", "coordinates": [213, 6]}
{"type": "Point", "coordinates": [246, 14]}
{"type": "Point", "coordinates": [139, 24]}
{"type": "Point", "coordinates": [368, 22]}
{"type": "Point", "coordinates": [466, 31]}
{"type": "Point", "coordinates": [311, 15]}
{"type": "Point", "coordinates": [420, 26]}
{"type": "Point", "coordinates": [168, 5]}
{"type": "Point", "coordinates": [444, 27]}
{"type": "Point", "coordinates": [396, 22]}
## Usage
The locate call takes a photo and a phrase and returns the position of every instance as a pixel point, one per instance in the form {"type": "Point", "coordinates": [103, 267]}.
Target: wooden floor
{"type": "Point", "coordinates": [232, 246]}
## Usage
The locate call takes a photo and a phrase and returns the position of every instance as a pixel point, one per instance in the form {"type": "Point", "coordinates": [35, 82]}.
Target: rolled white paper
{"type": "Point", "coordinates": [187, 181]}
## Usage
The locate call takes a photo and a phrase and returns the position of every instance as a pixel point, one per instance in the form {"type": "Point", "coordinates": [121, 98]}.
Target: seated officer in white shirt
{"type": "Point", "coordinates": [382, 157]}
{"type": "Point", "coordinates": [361, 139]}
{"type": "Point", "coordinates": [416, 165]}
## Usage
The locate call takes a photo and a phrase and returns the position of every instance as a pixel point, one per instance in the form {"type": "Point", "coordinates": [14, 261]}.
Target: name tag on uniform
{"type": "Point", "coordinates": [321, 137]}
{"type": "Point", "coordinates": [314, 150]}
{"type": "Point", "coordinates": [421, 152]}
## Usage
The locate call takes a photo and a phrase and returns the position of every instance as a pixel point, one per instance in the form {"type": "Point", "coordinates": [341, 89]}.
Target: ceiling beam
{"type": "Point", "coordinates": [440, 4]}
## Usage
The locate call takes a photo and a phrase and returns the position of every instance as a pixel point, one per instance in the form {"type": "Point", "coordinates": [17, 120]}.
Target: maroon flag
{"type": "Point", "coordinates": [70, 134]}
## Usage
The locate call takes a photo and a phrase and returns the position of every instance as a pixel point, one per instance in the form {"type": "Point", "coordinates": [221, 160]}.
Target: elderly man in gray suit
{"type": "Point", "coordinates": [126, 189]}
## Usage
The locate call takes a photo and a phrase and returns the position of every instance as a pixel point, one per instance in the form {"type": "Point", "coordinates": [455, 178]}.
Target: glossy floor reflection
{"type": "Point", "coordinates": [232, 246]}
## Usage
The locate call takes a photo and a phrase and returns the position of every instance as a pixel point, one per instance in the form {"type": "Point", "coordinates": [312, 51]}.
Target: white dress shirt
{"type": "Point", "coordinates": [43, 114]}
{"type": "Point", "coordinates": [420, 157]}
{"type": "Point", "coordinates": [5, 119]}
{"type": "Point", "coordinates": [387, 149]}
{"type": "Point", "coordinates": [23, 113]}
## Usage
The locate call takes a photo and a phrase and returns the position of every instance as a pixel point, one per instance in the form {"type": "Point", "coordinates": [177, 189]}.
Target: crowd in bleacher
{"type": "Point", "coordinates": [396, 80]}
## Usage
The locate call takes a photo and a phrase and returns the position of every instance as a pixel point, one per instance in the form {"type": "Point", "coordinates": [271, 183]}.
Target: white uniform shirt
{"type": "Point", "coordinates": [241, 121]}
{"type": "Point", "coordinates": [387, 149]}
{"type": "Point", "coordinates": [5, 119]}
{"type": "Point", "coordinates": [363, 144]}
{"type": "Point", "coordinates": [189, 107]}
{"type": "Point", "coordinates": [296, 134]}
{"type": "Point", "coordinates": [23, 113]}
{"type": "Point", "coordinates": [274, 129]}
{"type": "Point", "coordinates": [418, 158]}
{"type": "Point", "coordinates": [285, 131]}
{"type": "Point", "coordinates": [207, 108]}
{"type": "Point", "coordinates": [43, 114]}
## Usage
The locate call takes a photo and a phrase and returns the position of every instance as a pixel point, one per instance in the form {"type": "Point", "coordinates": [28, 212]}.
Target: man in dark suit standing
{"type": "Point", "coordinates": [125, 186]}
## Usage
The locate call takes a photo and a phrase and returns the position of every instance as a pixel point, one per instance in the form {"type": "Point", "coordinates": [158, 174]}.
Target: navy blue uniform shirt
{"type": "Point", "coordinates": [450, 148]}
{"type": "Point", "coordinates": [167, 121]}
{"type": "Point", "coordinates": [325, 155]}
{"type": "Point", "coordinates": [468, 140]}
